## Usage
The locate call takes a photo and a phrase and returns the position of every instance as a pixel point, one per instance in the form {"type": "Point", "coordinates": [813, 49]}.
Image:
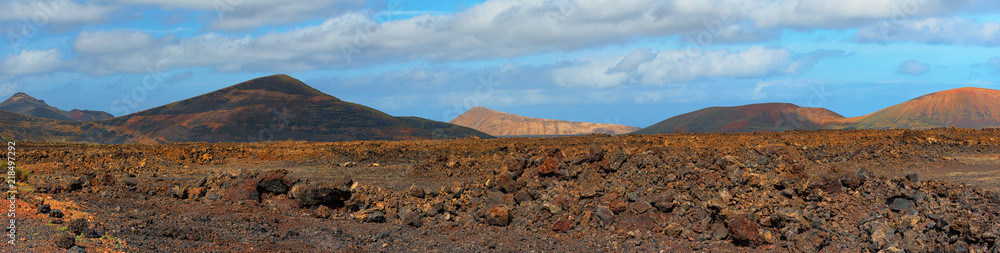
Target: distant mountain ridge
{"type": "Point", "coordinates": [277, 107]}
{"type": "Point", "coordinates": [271, 108]}
{"type": "Point", "coordinates": [25, 104]}
{"type": "Point", "coordinates": [967, 107]}
{"type": "Point", "coordinates": [748, 118]}
{"type": "Point", "coordinates": [499, 123]}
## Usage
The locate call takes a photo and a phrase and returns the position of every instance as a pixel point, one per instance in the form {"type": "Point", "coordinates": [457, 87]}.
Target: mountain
{"type": "Point", "coordinates": [22, 103]}
{"type": "Point", "coordinates": [498, 123]}
{"type": "Point", "coordinates": [88, 115]}
{"type": "Point", "coordinates": [27, 128]}
{"type": "Point", "coordinates": [963, 107]}
{"type": "Point", "coordinates": [277, 107]}
{"type": "Point", "coordinates": [747, 118]}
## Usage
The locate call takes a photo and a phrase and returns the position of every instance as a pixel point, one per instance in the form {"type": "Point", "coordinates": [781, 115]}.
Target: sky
{"type": "Point", "coordinates": [632, 62]}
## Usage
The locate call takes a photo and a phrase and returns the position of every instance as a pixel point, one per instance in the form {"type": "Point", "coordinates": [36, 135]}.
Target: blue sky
{"type": "Point", "coordinates": [632, 62]}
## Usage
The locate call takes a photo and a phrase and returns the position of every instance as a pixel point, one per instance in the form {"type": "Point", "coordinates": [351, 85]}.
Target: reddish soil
{"type": "Point", "coordinates": [809, 191]}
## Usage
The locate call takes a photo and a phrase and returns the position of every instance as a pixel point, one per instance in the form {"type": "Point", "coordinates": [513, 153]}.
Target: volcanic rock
{"type": "Point", "coordinates": [416, 191]}
{"type": "Point", "coordinates": [326, 193]}
{"type": "Point", "coordinates": [273, 182]}
{"type": "Point", "coordinates": [64, 240]}
{"type": "Point", "coordinates": [562, 226]}
{"type": "Point", "coordinates": [498, 216]}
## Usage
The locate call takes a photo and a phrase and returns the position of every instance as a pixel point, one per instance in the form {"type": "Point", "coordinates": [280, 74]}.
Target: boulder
{"type": "Point", "coordinates": [273, 182]}
{"type": "Point", "coordinates": [322, 193]}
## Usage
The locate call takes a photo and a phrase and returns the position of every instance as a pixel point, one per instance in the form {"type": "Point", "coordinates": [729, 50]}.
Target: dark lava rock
{"type": "Point", "coordinates": [44, 209]}
{"type": "Point", "coordinates": [550, 166]}
{"type": "Point", "coordinates": [522, 196]}
{"type": "Point", "coordinates": [130, 181]}
{"type": "Point", "coordinates": [375, 216]}
{"type": "Point", "coordinates": [810, 241]}
{"type": "Point", "coordinates": [78, 249]}
{"type": "Point", "coordinates": [618, 157]}
{"type": "Point", "coordinates": [411, 218]}
{"type": "Point", "coordinates": [56, 213]}
{"type": "Point", "coordinates": [912, 177]}
{"type": "Point", "coordinates": [640, 207]}
{"type": "Point", "coordinates": [900, 204]}
{"type": "Point", "coordinates": [76, 226]}
{"type": "Point", "coordinates": [745, 232]}
{"type": "Point", "coordinates": [179, 192]}
{"type": "Point", "coordinates": [596, 153]}
{"type": "Point", "coordinates": [498, 216]}
{"type": "Point", "coordinates": [416, 191]}
{"type": "Point", "coordinates": [197, 192]}
{"type": "Point", "coordinates": [851, 181]}
{"type": "Point", "coordinates": [514, 166]}
{"type": "Point", "coordinates": [664, 202]}
{"type": "Point", "coordinates": [273, 182]}
{"type": "Point", "coordinates": [91, 233]}
{"type": "Point", "coordinates": [64, 240]}
{"type": "Point", "coordinates": [72, 184]}
{"type": "Point", "coordinates": [507, 184]}
{"type": "Point", "coordinates": [562, 226]}
{"type": "Point", "coordinates": [605, 215]}
{"type": "Point", "coordinates": [719, 231]}
{"type": "Point", "coordinates": [246, 189]}
{"type": "Point", "coordinates": [323, 212]}
{"type": "Point", "coordinates": [327, 193]}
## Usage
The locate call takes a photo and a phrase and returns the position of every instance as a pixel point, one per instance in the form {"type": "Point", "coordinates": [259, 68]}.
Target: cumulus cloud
{"type": "Point", "coordinates": [954, 31]}
{"type": "Point", "coordinates": [32, 62]}
{"type": "Point", "coordinates": [102, 42]}
{"type": "Point", "coordinates": [494, 29]}
{"type": "Point", "coordinates": [649, 67]}
{"type": "Point", "coordinates": [591, 73]}
{"type": "Point", "coordinates": [913, 68]}
{"type": "Point", "coordinates": [40, 13]}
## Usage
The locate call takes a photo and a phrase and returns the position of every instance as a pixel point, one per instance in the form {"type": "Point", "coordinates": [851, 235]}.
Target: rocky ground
{"type": "Point", "coordinates": [819, 191]}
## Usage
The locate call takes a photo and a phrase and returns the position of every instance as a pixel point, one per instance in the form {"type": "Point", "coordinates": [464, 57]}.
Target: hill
{"type": "Point", "coordinates": [747, 118]}
{"type": "Point", "coordinates": [964, 107]}
{"type": "Point", "coordinates": [498, 123]}
{"type": "Point", "coordinates": [276, 107]}
{"type": "Point", "coordinates": [25, 104]}
{"type": "Point", "coordinates": [27, 128]}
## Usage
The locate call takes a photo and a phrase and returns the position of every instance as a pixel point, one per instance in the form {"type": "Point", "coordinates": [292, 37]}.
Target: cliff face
{"type": "Point", "coordinates": [498, 123]}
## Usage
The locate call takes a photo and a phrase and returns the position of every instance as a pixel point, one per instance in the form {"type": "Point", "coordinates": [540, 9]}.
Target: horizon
{"type": "Point", "coordinates": [636, 63]}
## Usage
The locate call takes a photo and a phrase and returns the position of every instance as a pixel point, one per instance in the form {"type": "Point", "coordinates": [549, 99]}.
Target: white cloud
{"type": "Point", "coordinates": [494, 29]}
{"type": "Point", "coordinates": [9, 88]}
{"type": "Point", "coordinates": [102, 42]}
{"type": "Point", "coordinates": [32, 62]}
{"type": "Point", "coordinates": [956, 31]}
{"type": "Point", "coordinates": [40, 13]}
{"type": "Point", "coordinates": [649, 67]}
{"type": "Point", "coordinates": [913, 68]}
{"type": "Point", "coordinates": [593, 73]}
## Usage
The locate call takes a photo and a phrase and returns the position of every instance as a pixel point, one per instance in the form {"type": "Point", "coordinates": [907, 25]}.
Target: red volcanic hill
{"type": "Point", "coordinates": [277, 107]}
{"type": "Point", "coordinates": [964, 107]}
{"type": "Point", "coordinates": [499, 123]}
{"type": "Point", "coordinates": [747, 118]}
{"type": "Point", "coordinates": [22, 103]}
